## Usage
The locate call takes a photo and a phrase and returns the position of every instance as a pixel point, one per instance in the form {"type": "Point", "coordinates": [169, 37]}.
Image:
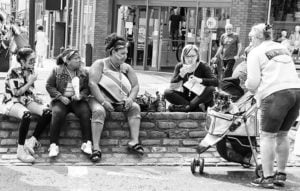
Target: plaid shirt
{"type": "Point", "coordinates": [15, 80]}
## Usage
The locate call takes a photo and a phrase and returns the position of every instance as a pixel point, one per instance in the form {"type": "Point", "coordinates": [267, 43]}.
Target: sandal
{"type": "Point", "coordinates": [95, 156]}
{"type": "Point", "coordinates": [137, 149]}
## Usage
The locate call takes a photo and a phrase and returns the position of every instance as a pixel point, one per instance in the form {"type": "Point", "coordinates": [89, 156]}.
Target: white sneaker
{"type": "Point", "coordinates": [23, 155]}
{"type": "Point", "coordinates": [87, 147]}
{"type": "Point", "coordinates": [53, 150]}
{"type": "Point", "coordinates": [31, 143]}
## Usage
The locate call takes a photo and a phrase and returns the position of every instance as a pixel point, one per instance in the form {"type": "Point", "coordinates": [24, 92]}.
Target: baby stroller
{"type": "Point", "coordinates": [233, 128]}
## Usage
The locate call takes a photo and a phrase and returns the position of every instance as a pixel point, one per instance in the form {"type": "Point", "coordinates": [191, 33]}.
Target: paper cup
{"type": "Point", "coordinates": [75, 84]}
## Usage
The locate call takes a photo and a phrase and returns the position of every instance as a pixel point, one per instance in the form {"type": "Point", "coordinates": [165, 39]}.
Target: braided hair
{"type": "Point", "coordinates": [65, 55]}
{"type": "Point", "coordinates": [114, 42]}
{"type": "Point", "coordinates": [23, 54]}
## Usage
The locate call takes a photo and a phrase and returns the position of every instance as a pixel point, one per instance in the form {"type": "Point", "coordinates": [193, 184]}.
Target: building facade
{"type": "Point", "coordinates": [146, 25]}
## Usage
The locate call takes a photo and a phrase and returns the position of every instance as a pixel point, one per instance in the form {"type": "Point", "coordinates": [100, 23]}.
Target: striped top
{"type": "Point", "coordinates": [114, 85]}
{"type": "Point", "coordinates": [69, 91]}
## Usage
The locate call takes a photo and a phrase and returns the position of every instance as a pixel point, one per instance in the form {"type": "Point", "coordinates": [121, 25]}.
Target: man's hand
{"type": "Point", "coordinates": [236, 57]}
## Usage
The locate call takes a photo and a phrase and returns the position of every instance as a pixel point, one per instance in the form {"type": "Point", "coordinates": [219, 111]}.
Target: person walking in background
{"type": "Point", "coordinates": [229, 50]}
{"type": "Point", "coordinates": [174, 28]}
{"type": "Point", "coordinates": [20, 101]}
{"type": "Point", "coordinates": [41, 46]}
{"type": "Point", "coordinates": [191, 70]}
{"type": "Point", "coordinates": [272, 77]}
{"type": "Point", "coordinates": [114, 86]}
{"type": "Point", "coordinates": [20, 36]}
{"type": "Point", "coordinates": [68, 88]}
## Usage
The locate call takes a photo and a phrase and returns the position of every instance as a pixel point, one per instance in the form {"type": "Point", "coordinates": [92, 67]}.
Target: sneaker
{"type": "Point", "coordinates": [263, 182]}
{"type": "Point", "coordinates": [178, 108]}
{"type": "Point", "coordinates": [24, 155]}
{"type": "Point", "coordinates": [31, 143]}
{"type": "Point", "coordinates": [279, 179]}
{"type": "Point", "coordinates": [53, 150]}
{"type": "Point", "coordinates": [87, 147]}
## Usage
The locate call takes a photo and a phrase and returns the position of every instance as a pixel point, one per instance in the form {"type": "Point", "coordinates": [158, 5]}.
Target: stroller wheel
{"type": "Point", "coordinates": [201, 164]}
{"type": "Point", "coordinates": [259, 171]}
{"type": "Point", "coordinates": [193, 166]}
{"type": "Point", "coordinates": [246, 165]}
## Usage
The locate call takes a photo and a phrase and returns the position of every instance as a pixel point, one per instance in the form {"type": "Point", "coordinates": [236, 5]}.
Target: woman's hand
{"type": "Point", "coordinates": [128, 103]}
{"type": "Point", "coordinates": [32, 78]}
{"type": "Point", "coordinates": [77, 98]}
{"type": "Point", "coordinates": [183, 71]}
{"type": "Point", "coordinates": [64, 100]}
{"type": "Point", "coordinates": [38, 100]}
{"type": "Point", "coordinates": [196, 79]}
{"type": "Point", "coordinates": [108, 106]}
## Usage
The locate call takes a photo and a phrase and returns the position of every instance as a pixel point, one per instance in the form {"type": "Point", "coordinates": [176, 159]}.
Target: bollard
{"type": "Point", "coordinates": [88, 54]}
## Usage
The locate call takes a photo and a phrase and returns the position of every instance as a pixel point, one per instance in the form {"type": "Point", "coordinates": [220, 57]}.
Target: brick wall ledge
{"type": "Point", "coordinates": [168, 139]}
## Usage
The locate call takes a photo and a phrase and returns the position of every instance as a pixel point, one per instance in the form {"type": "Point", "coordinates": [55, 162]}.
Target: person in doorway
{"type": "Point", "coordinates": [41, 46]}
{"type": "Point", "coordinates": [229, 50]}
{"type": "Point", "coordinates": [68, 88]}
{"type": "Point", "coordinates": [191, 69]}
{"type": "Point", "coordinates": [20, 101]}
{"type": "Point", "coordinates": [114, 86]}
{"type": "Point", "coordinates": [295, 40]}
{"type": "Point", "coordinates": [272, 77]}
{"type": "Point", "coordinates": [174, 27]}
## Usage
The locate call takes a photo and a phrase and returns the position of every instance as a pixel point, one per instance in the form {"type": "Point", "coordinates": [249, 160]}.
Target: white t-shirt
{"type": "Point", "coordinates": [270, 68]}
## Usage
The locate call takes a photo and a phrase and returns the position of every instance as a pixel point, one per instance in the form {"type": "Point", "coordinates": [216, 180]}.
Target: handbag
{"type": "Point", "coordinates": [147, 102]}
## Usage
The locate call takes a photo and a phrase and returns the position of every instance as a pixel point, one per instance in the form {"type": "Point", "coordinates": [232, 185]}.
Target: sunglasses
{"type": "Point", "coordinates": [191, 56]}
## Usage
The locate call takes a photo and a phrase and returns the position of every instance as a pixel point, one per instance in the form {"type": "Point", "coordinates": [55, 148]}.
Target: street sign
{"type": "Point", "coordinates": [211, 23]}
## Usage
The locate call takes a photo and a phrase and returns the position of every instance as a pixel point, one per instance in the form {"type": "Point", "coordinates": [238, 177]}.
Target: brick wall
{"type": "Point", "coordinates": [168, 138]}
{"type": "Point", "coordinates": [245, 13]}
{"type": "Point", "coordinates": [102, 29]}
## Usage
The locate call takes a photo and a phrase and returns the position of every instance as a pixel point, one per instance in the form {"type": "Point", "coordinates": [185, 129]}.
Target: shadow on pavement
{"type": "Point", "coordinates": [244, 177]}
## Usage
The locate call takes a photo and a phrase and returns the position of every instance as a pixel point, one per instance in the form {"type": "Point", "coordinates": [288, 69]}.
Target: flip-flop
{"type": "Point", "coordinates": [95, 156]}
{"type": "Point", "coordinates": [137, 149]}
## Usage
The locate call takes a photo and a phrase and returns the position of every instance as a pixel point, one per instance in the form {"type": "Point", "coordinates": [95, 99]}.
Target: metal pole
{"type": "Point", "coordinates": [31, 22]}
{"type": "Point", "coordinates": [67, 23]}
{"type": "Point", "coordinates": [269, 11]}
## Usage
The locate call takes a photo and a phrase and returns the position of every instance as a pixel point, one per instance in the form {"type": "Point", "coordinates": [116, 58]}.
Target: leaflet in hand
{"type": "Point", "coordinates": [194, 87]}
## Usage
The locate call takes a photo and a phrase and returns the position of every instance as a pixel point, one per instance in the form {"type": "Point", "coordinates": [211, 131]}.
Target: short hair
{"type": "Point", "coordinates": [261, 31]}
{"type": "Point", "coordinates": [40, 27]}
{"type": "Point", "coordinates": [228, 25]}
{"type": "Point", "coordinates": [115, 42]}
{"type": "Point", "coordinates": [186, 51]}
{"type": "Point", "coordinates": [66, 55]}
{"type": "Point", "coordinates": [23, 53]}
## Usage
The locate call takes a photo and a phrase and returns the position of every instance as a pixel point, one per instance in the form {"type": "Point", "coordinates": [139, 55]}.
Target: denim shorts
{"type": "Point", "coordinates": [280, 110]}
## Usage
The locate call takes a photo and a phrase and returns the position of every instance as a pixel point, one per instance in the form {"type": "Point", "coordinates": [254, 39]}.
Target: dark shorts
{"type": "Point", "coordinates": [280, 110]}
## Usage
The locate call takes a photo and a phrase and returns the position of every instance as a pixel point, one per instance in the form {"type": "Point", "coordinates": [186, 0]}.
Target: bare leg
{"type": "Point", "coordinates": [282, 150]}
{"type": "Point", "coordinates": [267, 143]}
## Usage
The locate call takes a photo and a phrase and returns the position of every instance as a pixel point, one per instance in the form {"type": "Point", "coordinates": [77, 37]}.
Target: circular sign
{"type": "Point", "coordinates": [211, 23]}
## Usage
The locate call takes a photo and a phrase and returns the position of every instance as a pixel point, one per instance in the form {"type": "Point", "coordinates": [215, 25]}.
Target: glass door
{"type": "Point", "coordinates": [153, 38]}
{"type": "Point", "coordinates": [208, 39]}
{"type": "Point", "coordinates": [140, 43]}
